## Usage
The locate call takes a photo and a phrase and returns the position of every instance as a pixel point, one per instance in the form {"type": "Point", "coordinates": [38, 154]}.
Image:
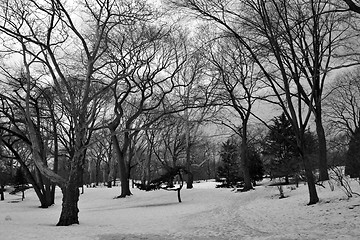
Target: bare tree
{"type": "Point", "coordinates": [171, 142]}
{"type": "Point", "coordinates": [258, 28]}
{"type": "Point", "coordinates": [197, 96]}
{"type": "Point", "coordinates": [48, 37]}
{"type": "Point", "coordinates": [100, 159]}
{"type": "Point", "coordinates": [238, 87]}
{"type": "Point", "coordinates": [292, 42]}
{"type": "Point", "coordinates": [16, 132]}
{"type": "Point", "coordinates": [342, 104]}
{"type": "Point", "coordinates": [342, 108]}
{"type": "Point", "coordinates": [150, 57]}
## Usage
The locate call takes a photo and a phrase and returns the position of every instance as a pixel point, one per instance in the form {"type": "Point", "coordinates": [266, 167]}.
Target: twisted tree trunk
{"type": "Point", "coordinates": [71, 193]}
{"type": "Point", "coordinates": [70, 210]}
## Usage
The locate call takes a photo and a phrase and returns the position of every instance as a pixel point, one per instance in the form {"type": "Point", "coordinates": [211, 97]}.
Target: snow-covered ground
{"type": "Point", "coordinates": [205, 213]}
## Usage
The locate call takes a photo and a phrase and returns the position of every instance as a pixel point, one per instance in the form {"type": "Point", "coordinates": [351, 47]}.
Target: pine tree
{"type": "Point", "coordinates": [230, 168]}
{"type": "Point", "coordinates": [230, 163]}
{"type": "Point", "coordinates": [352, 164]}
{"type": "Point", "coordinates": [281, 146]}
{"type": "Point", "coordinates": [256, 166]}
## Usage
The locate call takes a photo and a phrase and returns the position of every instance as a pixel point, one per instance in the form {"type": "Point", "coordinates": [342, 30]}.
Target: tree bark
{"type": "Point", "coordinates": [29, 176]}
{"type": "Point", "coordinates": [70, 210]}
{"type": "Point", "coordinates": [56, 152]}
{"type": "Point", "coordinates": [97, 172]}
{"type": "Point", "coordinates": [48, 191]}
{"type": "Point", "coordinates": [323, 168]}
{"type": "Point", "coordinates": [310, 180]}
{"type": "Point", "coordinates": [147, 176]}
{"type": "Point", "coordinates": [190, 179]}
{"type": "Point", "coordinates": [178, 195]}
{"type": "Point", "coordinates": [190, 176]}
{"type": "Point", "coordinates": [244, 158]}
{"type": "Point", "coordinates": [2, 190]}
{"type": "Point", "coordinates": [38, 190]}
{"type": "Point", "coordinates": [71, 193]}
{"type": "Point", "coordinates": [125, 189]}
{"type": "Point", "coordinates": [70, 189]}
{"type": "Point", "coordinates": [245, 165]}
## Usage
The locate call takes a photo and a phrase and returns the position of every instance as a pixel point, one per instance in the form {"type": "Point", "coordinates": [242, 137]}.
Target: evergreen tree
{"type": "Point", "coordinates": [255, 166]}
{"type": "Point", "coordinates": [352, 164]}
{"type": "Point", "coordinates": [230, 168]}
{"type": "Point", "coordinates": [281, 145]}
{"type": "Point", "coordinates": [230, 163]}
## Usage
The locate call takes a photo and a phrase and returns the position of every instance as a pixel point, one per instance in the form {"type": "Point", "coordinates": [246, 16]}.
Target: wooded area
{"type": "Point", "coordinates": [114, 91]}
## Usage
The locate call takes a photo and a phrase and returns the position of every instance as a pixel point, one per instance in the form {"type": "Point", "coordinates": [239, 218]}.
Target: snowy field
{"type": "Point", "coordinates": [205, 213]}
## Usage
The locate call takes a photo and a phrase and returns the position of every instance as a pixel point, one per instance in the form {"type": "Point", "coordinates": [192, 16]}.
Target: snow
{"type": "Point", "coordinates": [205, 213]}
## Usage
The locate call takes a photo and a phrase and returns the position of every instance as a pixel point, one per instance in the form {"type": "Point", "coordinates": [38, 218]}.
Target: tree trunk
{"type": "Point", "coordinates": [287, 180]}
{"type": "Point", "coordinates": [244, 161]}
{"type": "Point", "coordinates": [31, 179]}
{"type": "Point", "coordinates": [246, 172]}
{"type": "Point", "coordinates": [171, 182]}
{"type": "Point", "coordinates": [70, 210]}
{"type": "Point", "coordinates": [143, 173]}
{"type": "Point", "coordinates": [38, 190]}
{"type": "Point", "coordinates": [2, 190]}
{"type": "Point", "coordinates": [190, 177]}
{"type": "Point", "coordinates": [178, 195]}
{"type": "Point", "coordinates": [190, 180]}
{"type": "Point", "coordinates": [323, 171]}
{"type": "Point", "coordinates": [146, 169]}
{"type": "Point", "coordinates": [311, 181]}
{"type": "Point", "coordinates": [56, 155]}
{"type": "Point", "coordinates": [70, 191]}
{"type": "Point", "coordinates": [48, 191]}
{"type": "Point", "coordinates": [147, 166]}
{"type": "Point", "coordinates": [53, 188]}
{"type": "Point", "coordinates": [40, 193]}
{"type": "Point", "coordinates": [108, 175]}
{"type": "Point", "coordinates": [114, 176]}
{"type": "Point", "coordinates": [125, 189]}
{"type": "Point", "coordinates": [97, 171]}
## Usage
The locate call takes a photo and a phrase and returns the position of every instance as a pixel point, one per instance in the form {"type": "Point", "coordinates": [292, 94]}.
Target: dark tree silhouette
{"type": "Point", "coordinates": [352, 164]}
{"type": "Point", "coordinates": [256, 166]}
{"type": "Point", "coordinates": [4, 179]}
{"type": "Point", "coordinates": [229, 170]}
{"type": "Point", "coordinates": [280, 146]}
{"type": "Point", "coordinates": [20, 183]}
